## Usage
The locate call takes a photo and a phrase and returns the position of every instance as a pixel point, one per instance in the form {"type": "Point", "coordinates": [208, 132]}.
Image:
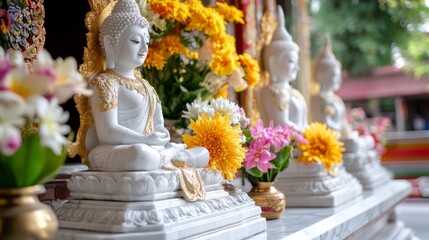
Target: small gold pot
{"type": "Point", "coordinates": [271, 200]}
{"type": "Point", "coordinates": [23, 216]}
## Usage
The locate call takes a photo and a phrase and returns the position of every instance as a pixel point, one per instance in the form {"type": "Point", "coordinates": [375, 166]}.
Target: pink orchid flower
{"type": "Point", "coordinates": [259, 155]}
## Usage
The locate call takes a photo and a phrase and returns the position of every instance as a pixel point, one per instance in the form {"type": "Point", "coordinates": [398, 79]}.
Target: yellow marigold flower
{"type": "Point", "coordinates": [197, 21]}
{"type": "Point", "coordinates": [230, 13]}
{"type": "Point", "coordinates": [225, 41]}
{"type": "Point", "coordinates": [213, 23]}
{"type": "Point", "coordinates": [170, 45]}
{"type": "Point", "coordinates": [154, 59]}
{"type": "Point", "coordinates": [194, 55]}
{"type": "Point", "coordinates": [224, 62]}
{"type": "Point", "coordinates": [251, 68]}
{"type": "Point", "coordinates": [323, 146]}
{"type": "Point", "coordinates": [168, 9]}
{"type": "Point", "coordinates": [183, 13]}
{"type": "Point", "coordinates": [222, 140]}
{"type": "Point", "coordinates": [222, 93]}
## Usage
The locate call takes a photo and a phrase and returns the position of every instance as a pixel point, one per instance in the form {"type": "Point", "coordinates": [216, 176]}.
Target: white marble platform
{"type": "Point", "coordinates": [310, 185]}
{"type": "Point", "coordinates": [372, 217]}
{"type": "Point", "coordinates": [148, 205]}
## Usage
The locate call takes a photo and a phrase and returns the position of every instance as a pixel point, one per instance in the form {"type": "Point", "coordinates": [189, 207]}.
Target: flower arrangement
{"type": "Point", "coordinates": [376, 127]}
{"type": "Point", "coordinates": [190, 54]}
{"type": "Point", "coordinates": [32, 123]}
{"type": "Point", "coordinates": [269, 150]}
{"type": "Point", "coordinates": [217, 125]}
{"type": "Point", "coordinates": [322, 146]}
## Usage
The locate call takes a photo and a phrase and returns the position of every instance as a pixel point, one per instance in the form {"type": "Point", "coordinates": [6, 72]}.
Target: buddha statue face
{"type": "Point", "coordinates": [329, 75]}
{"type": "Point", "coordinates": [281, 57]}
{"type": "Point", "coordinates": [132, 48]}
{"type": "Point", "coordinates": [327, 69]}
{"type": "Point", "coordinates": [124, 36]}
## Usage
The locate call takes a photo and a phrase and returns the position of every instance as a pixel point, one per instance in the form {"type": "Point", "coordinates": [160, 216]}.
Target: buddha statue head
{"type": "Point", "coordinates": [327, 69]}
{"type": "Point", "coordinates": [280, 57]}
{"type": "Point", "coordinates": [124, 30]}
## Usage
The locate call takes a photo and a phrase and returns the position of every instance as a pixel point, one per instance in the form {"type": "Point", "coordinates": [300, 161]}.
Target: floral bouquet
{"type": "Point", "coordinates": [375, 127]}
{"type": "Point", "coordinates": [217, 125]}
{"type": "Point", "coordinates": [32, 124]}
{"type": "Point", "coordinates": [269, 150]}
{"type": "Point", "coordinates": [191, 55]}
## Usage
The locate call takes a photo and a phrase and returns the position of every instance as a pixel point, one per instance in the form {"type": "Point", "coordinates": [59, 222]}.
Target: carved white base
{"type": "Point", "coordinates": [366, 167]}
{"type": "Point", "coordinates": [309, 185]}
{"type": "Point", "coordinates": [133, 186]}
{"type": "Point", "coordinates": [163, 215]}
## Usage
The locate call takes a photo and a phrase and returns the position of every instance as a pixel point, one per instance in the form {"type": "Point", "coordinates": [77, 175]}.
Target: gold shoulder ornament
{"type": "Point", "coordinates": [93, 63]}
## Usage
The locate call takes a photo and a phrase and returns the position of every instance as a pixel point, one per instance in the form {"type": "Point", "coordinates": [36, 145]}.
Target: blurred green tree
{"type": "Point", "coordinates": [368, 33]}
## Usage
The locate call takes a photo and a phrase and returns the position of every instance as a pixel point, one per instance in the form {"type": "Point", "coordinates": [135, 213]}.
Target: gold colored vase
{"type": "Point", "coordinates": [23, 216]}
{"type": "Point", "coordinates": [271, 200]}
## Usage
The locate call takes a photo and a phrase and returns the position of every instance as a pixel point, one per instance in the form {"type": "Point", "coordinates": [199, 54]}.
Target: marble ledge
{"type": "Point", "coordinates": [339, 222]}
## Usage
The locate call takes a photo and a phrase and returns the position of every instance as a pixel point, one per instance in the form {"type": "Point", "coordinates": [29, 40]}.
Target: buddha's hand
{"type": "Point", "coordinates": [157, 138]}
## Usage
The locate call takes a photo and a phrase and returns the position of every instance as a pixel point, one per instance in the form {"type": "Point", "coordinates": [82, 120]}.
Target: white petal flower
{"type": "Point", "coordinates": [52, 124]}
{"type": "Point", "coordinates": [196, 108]}
{"type": "Point", "coordinates": [12, 108]}
{"type": "Point", "coordinates": [69, 81]}
{"type": "Point", "coordinates": [224, 106]}
{"type": "Point", "coordinates": [10, 139]}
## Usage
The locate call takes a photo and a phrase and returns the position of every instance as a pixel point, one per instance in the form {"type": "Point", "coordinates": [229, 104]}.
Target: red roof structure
{"type": "Point", "coordinates": [384, 82]}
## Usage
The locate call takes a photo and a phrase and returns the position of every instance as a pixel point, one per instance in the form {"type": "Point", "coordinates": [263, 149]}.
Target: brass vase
{"type": "Point", "coordinates": [23, 216]}
{"type": "Point", "coordinates": [271, 200]}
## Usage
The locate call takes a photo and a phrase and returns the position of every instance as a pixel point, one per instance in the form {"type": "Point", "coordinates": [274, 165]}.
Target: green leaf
{"type": "Point", "coordinates": [255, 172]}
{"type": "Point", "coordinates": [34, 159]}
{"type": "Point", "coordinates": [7, 179]}
{"type": "Point", "coordinates": [248, 135]}
{"type": "Point", "coordinates": [53, 164]}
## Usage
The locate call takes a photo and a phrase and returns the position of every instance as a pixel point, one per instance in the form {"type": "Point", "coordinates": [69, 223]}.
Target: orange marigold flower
{"type": "Point", "coordinates": [154, 59]}
{"type": "Point", "coordinates": [251, 68]}
{"type": "Point", "coordinates": [222, 140]}
{"type": "Point", "coordinates": [224, 62]}
{"type": "Point", "coordinates": [167, 9]}
{"type": "Point", "coordinates": [229, 13]}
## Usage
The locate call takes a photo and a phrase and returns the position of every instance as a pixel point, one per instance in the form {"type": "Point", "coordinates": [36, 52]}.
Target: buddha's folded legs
{"type": "Point", "coordinates": [137, 157]}
{"type": "Point", "coordinates": [141, 157]}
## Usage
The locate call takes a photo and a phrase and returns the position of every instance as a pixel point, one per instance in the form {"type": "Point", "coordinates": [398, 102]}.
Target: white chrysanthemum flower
{"type": "Point", "coordinates": [197, 108]}
{"type": "Point", "coordinates": [52, 123]}
{"type": "Point", "coordinates": [224, 106]}
{"type": "Point", "coordinates": [12, 108]}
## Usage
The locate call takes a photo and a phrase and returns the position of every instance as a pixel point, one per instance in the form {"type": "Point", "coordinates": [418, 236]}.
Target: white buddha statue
{"type": "Point", "coordinates": [279, 101]}
{"type": "Point", "coordinates": [128, 132]}
{"type": "Point", "coordinates": [329, 108]}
